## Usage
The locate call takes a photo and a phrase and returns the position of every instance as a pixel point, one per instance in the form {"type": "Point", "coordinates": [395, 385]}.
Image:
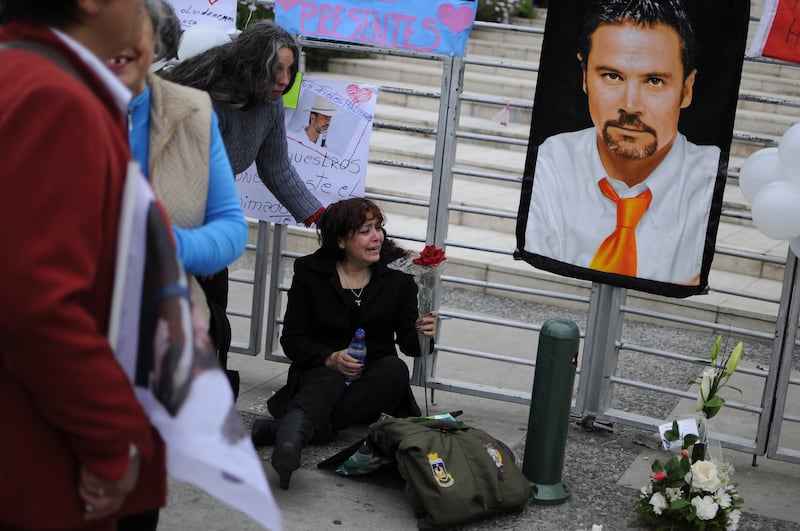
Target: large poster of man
{"type": "Point", "coordinates": [630, 138]}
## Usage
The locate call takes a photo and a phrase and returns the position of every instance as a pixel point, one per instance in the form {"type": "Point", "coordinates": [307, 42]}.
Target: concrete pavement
{"type": "Point", "coordinates": [603, 470]}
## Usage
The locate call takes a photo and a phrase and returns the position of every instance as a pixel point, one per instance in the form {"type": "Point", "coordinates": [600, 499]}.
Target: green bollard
{"type": "Point", "coordinates": [548, 419]}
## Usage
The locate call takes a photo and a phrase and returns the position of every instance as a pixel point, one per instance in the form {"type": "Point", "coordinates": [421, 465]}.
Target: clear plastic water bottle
{"type": "Point", "coordinates": [358, 348]}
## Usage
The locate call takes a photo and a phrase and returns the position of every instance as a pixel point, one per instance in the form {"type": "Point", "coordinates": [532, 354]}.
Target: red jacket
{"type": "Point", "coordinates": [64, 400]}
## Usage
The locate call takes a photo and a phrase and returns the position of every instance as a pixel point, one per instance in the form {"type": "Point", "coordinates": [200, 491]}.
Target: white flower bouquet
{"type": "Point", "coordinates": [684, 495]}
{"type": "Point", "coordinates": [691, 491]}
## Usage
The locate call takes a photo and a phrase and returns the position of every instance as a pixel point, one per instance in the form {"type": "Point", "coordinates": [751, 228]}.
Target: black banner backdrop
{"type": "Point", "coordinates": [560, 106]}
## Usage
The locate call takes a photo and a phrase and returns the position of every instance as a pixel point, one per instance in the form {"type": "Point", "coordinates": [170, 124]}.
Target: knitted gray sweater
{"type": "Point", "coordinates": [259, 134]}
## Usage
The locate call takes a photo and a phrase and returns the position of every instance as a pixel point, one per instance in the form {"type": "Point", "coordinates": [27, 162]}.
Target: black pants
{"type": "Point", "coordinates": [216, 290]}
{"type": "Point", "coordinates": [147, 521]}
{"type": "Point", "coordinates": [332, 405]}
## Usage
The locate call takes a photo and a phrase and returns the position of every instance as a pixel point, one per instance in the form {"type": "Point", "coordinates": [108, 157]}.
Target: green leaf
{"type": "Point", "coordinates": [689, 440]}
{"type": "Point", "coordinates": [674, 469]}
{"type": "Point", "coordinates": [714, 402]}
{"type": "Point", "coordinates": [734, 388]}
{"type": "Point", "coordinates": [692, 511]}
{"type": "Point", "coordinates": [674, 433]}
{"type": "Point", "coordinates": [678, 504]}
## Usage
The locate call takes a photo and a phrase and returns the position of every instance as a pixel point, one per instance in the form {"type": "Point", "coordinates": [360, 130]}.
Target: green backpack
{"type": "Point", "coordinates": [454, 474]}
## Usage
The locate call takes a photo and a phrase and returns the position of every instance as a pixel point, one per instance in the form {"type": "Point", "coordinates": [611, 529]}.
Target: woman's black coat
{"type": "Point", "coordinates": [321, 318]}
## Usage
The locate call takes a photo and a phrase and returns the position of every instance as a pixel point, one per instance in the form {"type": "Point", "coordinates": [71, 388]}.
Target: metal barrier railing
{"type": "Point", "coordinates": [606, 312]}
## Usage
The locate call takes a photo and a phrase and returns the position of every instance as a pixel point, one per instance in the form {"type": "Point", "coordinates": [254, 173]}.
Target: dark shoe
{"type": "Point", "coordinates": [264, 432]}
{"type": "Point", "coordinates": [234, 379]}
{"type": "Point", "coordinates": [295, 431]}
{"type": "Point", "coordinates": [285, 460]}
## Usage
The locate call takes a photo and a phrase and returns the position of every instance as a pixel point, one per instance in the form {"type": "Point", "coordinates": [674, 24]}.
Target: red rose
{"type": "Point", "coordinates": [658, 476]}
{"type": "Point", "coordinates": [431, 256]}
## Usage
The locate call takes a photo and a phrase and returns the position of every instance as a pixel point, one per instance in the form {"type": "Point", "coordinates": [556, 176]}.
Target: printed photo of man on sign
{"type": "Point", "coordinates": [630, 138]}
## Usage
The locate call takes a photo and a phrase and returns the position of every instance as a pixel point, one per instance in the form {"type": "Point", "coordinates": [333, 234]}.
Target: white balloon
{"type": "Point", "coordinates": [760, 168]}
{"type": "Point", "coordinates": [789, 152]}
{"type": "Point", "coordinates": [775, 210]}
{"type": "Point", "coordinates": [794, 245]}
{"type": "Point", "coordinates": [200, 38]}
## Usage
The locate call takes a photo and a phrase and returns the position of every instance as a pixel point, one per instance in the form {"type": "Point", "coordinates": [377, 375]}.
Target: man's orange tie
{"type": "Point", "coordinates": [617, 253]}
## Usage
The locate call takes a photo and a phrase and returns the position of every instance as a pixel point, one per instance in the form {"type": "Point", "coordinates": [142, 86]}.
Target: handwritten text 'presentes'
{"type": "Point", "coordinates": [419, 25]}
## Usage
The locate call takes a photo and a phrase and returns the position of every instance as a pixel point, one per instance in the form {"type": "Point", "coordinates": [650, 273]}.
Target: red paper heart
{"type": "Point", "coordinates": [455, 20]}
{"type": "Point", "coordinates": [358, 94]}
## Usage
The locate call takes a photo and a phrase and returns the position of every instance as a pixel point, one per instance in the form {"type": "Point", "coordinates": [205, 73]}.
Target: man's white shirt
{"type": "Point", "coordinates": [569, 217]}
{"type": "Point", "coordinates": [318, 143]}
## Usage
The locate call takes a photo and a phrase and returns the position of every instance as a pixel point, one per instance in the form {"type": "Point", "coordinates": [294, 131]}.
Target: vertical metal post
{"type": "Point", "coordinates": [776, 388]}
{"type": "Point", "coordinates": [548, 418]}
{"type": "Point", "coordinates": [253, 346]}
{"type": "Point", "coordinates": [259, 286]}
{"type": "Point", "coordinates": [603, 328]}
{"type": "Point", "coordinates": [610, 349]}
{"type": "Point", "coordinates": [445, 154]}
{"type": "Point", "coordinates": [442, 181]}
{"type": "Point", "coordinates": [273, 303]}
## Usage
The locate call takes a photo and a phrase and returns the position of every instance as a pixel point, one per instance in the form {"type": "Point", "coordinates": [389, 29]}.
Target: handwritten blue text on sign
{"type": "Point", "coordinates": [434, 26]}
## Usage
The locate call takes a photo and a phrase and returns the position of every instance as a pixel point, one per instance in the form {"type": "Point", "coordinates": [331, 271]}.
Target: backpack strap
{"type": "Point", "coordinates": [46, 51]}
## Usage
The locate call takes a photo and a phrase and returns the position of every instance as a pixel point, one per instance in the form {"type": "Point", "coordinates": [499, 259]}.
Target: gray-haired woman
{"type": "Point", "coordinates": [246, 79]}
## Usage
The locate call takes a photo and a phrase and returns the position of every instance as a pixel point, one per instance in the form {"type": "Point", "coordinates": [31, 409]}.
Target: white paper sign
{"type": "Point", "coordinates": [161, 341]}
{"type": "Point", "coordinates": [685, 427]}
{"type": "Point", "coordinates": [334, 165]}
{"type": "Point", "coordinates": [218, 13]}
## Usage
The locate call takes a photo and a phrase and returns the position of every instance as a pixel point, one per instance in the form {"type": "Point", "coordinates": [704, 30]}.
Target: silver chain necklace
{"type": "Point", "coordinates": [356, 293]}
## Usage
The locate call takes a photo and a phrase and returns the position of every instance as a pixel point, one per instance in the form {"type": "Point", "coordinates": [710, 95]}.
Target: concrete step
{"type": "Point", "coordinates": [778, 71]}
{"type": "Point", "coordinates": [761, 123]}
{"type": "Point", "coordinates": [517, 128]}
{"type": "Point", "coordinates": [430, 75]}
{"type": "Point", "coordinates": [412, 97]}
{"type": "Point", "coordinates": [418, 149]}
{"type": "Point", "coordinates": [789, 106]}
{"type": "Point", "coordinates": [741, 149]}
{"type": "Point", "coordinates": [525, 32]}
{"type": "Point", "coordinates": [502, 68]}
{"type": "Point", "coordinates": [786, 83]}
{"type": "Point", "coordinates": [486, 43]}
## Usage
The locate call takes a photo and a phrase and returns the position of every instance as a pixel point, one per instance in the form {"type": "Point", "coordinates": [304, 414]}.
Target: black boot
{"type": "Point", "coordinates": [296, 430]}
{"type": "Point", "coordinates": [264, 432]}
